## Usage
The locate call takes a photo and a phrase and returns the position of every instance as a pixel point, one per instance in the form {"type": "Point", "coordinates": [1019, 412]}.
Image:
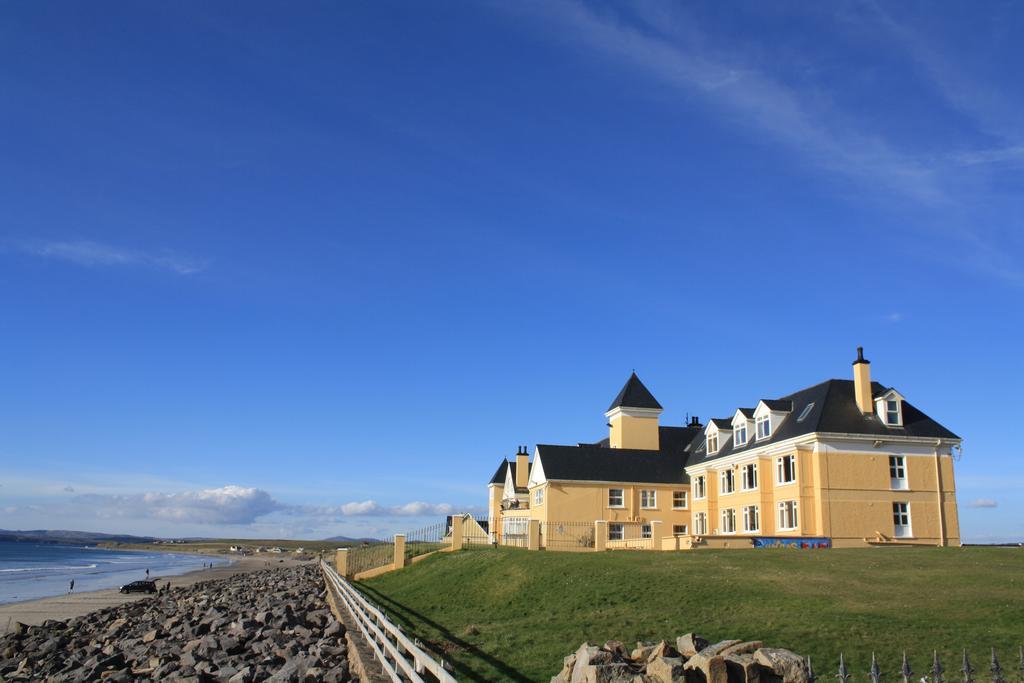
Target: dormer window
{"type": "Point", "coordinates": [892, 412]}
{"type": "Point", "coordinates": [764, 426]}
{"type": "Point", "coordinates": [741, 435]}
{"type": "Point", "coordinates": [889, 407]}
{"type": "Point", "coordinates": [712, 443]}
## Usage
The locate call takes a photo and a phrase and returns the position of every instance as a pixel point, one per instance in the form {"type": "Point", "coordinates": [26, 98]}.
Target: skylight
{"type": "Point", "coordinates": [805, 412]}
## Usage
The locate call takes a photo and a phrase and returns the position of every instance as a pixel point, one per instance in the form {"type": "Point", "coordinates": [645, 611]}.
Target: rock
{"type": "Point", "coordinates": [617, 648]}
{"type": "Point", "coordinates": [662, 649]}
{"type": "Point", "coordinates": [706, 668]}
{"type": "Point", "coordinates": [690, 644]}
{"type": "Point", "coordinates": [150, 636]}
{"type": "Point", "coordinates": [748, 647]}
{"type": "Point", "coordinates": [610, 673]}
{"type": "Point", "coordinates": [586, 656]}
{"type": "Point", "coordinates": [742, 668]}
{"type": "Point", "coordinates": [642, 651]}
{"type": "Point", "coordinates": [718, 648]}
{"type": "Point", "coordinates": [666, 669]}
{"type": "Point", "coordinates": [787, 665]}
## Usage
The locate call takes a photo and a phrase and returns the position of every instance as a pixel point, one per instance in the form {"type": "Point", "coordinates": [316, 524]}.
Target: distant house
{"type": "Point", "coordinates": [473, 530]}
{"type": "Point", "coordinates": [841, 463]}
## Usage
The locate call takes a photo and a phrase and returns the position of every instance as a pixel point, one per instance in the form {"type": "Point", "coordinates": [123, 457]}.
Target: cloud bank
{"type": "Point", "coordinates": [983, 503]}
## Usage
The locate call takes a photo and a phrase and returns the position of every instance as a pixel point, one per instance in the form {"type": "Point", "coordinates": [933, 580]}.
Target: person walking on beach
{"type": "Point", "coordinates": [147, 573]}
{"type": "Point", "coordinates": [71, 588]}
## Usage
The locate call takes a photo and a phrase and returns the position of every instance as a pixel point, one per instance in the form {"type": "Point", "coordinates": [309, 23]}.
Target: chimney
{"type": "Point", "coordinates": [522, 467]}
{"type": "Point", "coordinates": [695, 422]}
{"type": "Point", "coordinates": [862, 382]}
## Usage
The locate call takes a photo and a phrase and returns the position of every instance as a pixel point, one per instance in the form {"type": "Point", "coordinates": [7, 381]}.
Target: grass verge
{"type": "Point", "coordinates": [509, 614]}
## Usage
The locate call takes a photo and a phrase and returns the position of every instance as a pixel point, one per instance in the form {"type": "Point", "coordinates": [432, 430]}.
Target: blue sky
{"type": "Point", "coordinates": [271, 269]}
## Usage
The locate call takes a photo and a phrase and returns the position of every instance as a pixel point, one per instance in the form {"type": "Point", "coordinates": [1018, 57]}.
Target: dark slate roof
{"type": "Point", "coordinates": [499, 476]}
{"type": "Point", "coordinates": [747, 412]}
{"type": "Point", "coordinates": [722, 422]}
{"type": "Point", "coordinates": [778, 404]}
{"type": "Point", "coordinates": [634, 395]}
{"type": "Point", "coordinates": [834, 411]}
{"type": "Point", "coordinates": [592, 462]}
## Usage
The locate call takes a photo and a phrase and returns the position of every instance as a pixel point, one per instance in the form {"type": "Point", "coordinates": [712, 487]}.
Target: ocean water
{"type": "Point", "coordinates": [38, 570]}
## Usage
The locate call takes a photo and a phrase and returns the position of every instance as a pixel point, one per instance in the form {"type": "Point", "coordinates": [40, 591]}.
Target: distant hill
{"type": "Point", "coordinates": [346, 539]}
{"type": "Point", "coordinates": [66, 536]}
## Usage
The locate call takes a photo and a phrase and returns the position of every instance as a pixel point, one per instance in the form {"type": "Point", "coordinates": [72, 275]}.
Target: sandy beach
{"type": "Point", "coordinates": [63, 607]}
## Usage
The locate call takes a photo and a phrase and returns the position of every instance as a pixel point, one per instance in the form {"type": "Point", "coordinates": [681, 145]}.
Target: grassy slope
{"type": "Point", "coordinates": [507, 614]}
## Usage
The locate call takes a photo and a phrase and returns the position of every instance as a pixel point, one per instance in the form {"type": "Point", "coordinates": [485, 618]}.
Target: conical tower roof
{"type": "Point", "coordinates": [635, 395]}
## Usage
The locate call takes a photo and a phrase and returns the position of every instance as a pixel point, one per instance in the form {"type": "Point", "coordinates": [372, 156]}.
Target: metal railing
{"type": "Point", "coordinates": [935, 673]}
{"type": "Point", "coordinates": [568, 536]}
{"type": "Point", "coordinates": [426, 540]}
{"type": "Point", "coordinates": [370, 556]}
{"type": "Point", "coordinates": [401, 659]}
{"type": "Point", "coordinates": [630, 535]}
{"type": "Point", "coordinates": [515, 531]}
{"type": "Point", "coordinates": [478, 531]}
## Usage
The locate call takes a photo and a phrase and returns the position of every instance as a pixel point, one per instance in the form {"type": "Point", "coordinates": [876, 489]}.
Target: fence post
{"type": "Point", "coordinates": [341, 562]}
{"type": "Point", "coordinates": [600, 534]}
{"type": "Point", "coordinates": [458, 540]}
{"type": "Point", "coordinates": [533, 536]}
{"type": "Point", "coordinates": [399, 551]}
{"type": "Point", "coordinates": [655, 535]}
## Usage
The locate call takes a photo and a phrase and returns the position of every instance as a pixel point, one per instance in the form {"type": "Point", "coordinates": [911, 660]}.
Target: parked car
{"type": "Point", "coordinates": [139, 587]}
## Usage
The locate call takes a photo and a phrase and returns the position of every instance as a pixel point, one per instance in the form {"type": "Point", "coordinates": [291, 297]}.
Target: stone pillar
{"type": "Point", "coordinates": [458, 537]}
{"type": "Point", "coordinates": [656, 534]}
{"type": "Point", "coordinates": [341, 562]}
{"type": "Point", "coordinates": [533, 537]}
{"type": "Point", "coordinates": [399, 551]}
{"type": "Point", "coordinates": [600, 534]}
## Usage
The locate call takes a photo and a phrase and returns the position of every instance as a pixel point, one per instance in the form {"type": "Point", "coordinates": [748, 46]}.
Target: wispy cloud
{"type": "Point", "coordinates": [951, 186]}
{"type": "Point", "coordinates": [752, 97]}
{"type": "Point", "coordinates": [983, 503]}
{"type": "Point", "coordinates": [97, 255]}
{"type": "Point", "coordinates": [368, 508]}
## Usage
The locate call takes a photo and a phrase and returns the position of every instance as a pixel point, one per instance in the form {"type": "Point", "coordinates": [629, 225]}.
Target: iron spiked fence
{"type": "Point", "coordinates": [370, 556]}
{"type": "Point", "coordinates": [567, 536]}
{"type": "Point", "coordinates": [936, 671]}
{"type": "Point", "coordinates": [427, 540]}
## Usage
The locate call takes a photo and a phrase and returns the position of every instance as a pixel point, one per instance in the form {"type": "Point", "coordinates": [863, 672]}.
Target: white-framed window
{"type": "Point", "coordinates": [892, 412]}
{"type": "Point", "coordinates": [679, 529]}
{"type": "Point", "coordinates": [645, 531]}
{"type": "Point", "coordinates": [741, 434]}
{"type": "Point", "coordinates": [728, 481]}
{"type": "Point", "coordinates": [679, 500]}
{"type": "Point", "coordinates": [751, 518]}
{"type": "Point", "coordinates": [712, 443]}
{"type": "Point", "coordinates": [616, 531]}
{"type": "Point", "coordinates": [785, 469]}
{"type": "Point", "coordinates": [700, 523]}
{"type": "Point", "coordinates": [700, 490]}
{"type": "Point", "coordinates": [897, 473]}
{"type": "Point", "coordinates": [616, 498]}
{"type": "Point", "coordinates": [729, 521]}
{"type": "Point", "coordinates": [764, 427]}
{"type": "Point", "coordinates": [648, 499]}
{"type": "Point", "coordinates": [788, 519]}
{"type": "Point", "coordinates": [538, 497]}
{"type": "Point", "coordinates": [901, 520]}
{"type": "Point", "coordinates": [748, 476]}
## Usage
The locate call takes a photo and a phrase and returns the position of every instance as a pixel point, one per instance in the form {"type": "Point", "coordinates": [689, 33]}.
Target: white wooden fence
{"type": "Point", "coordinates": [401, 659]}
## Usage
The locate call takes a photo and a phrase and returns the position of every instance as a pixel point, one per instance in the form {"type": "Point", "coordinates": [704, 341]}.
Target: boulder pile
{"type": "Point", "coordinates": [691, 659]}
{"type": "Point", "coordinates": [271, 625]}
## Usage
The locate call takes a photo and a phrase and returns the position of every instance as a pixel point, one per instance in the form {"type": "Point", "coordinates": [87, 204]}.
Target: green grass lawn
{"type": "Point", "coordinates": [509, 614]}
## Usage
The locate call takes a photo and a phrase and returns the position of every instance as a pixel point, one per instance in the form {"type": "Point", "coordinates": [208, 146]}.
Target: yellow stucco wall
{"type": "Point", "coordinates": [846, 496]}
{"type": "Point", "coordinates": [586, 502]}
{"type": "Point", "coordinates": [633, 432]}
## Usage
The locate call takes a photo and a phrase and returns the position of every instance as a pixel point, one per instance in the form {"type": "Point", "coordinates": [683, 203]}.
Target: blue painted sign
{"type": "Point", "coordinates": [788, 542]}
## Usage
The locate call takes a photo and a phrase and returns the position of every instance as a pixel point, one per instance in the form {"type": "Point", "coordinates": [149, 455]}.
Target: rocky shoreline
{"type": "Point", "coordinates": [271, 625]}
